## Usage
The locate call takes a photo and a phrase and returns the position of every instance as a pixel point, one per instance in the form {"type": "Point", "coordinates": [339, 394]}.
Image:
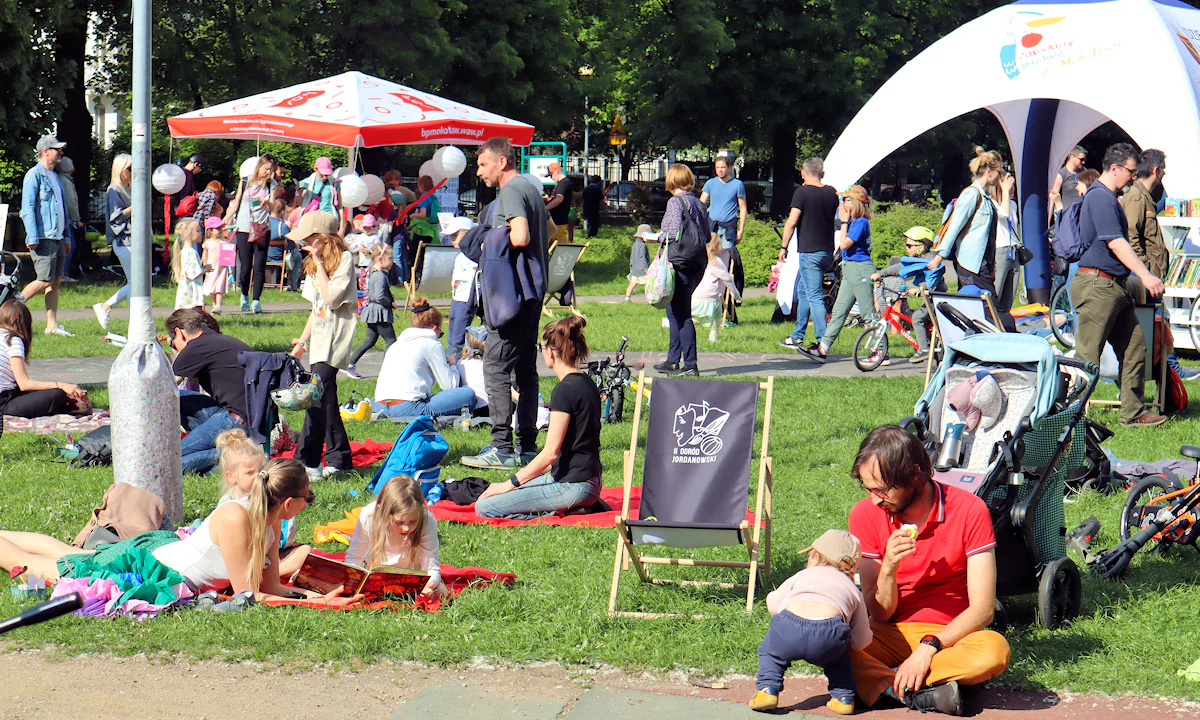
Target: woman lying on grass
{"type": "Point", "coordinates": [565, 475]}
{"type": "Point", "coordinates": [232, 547]}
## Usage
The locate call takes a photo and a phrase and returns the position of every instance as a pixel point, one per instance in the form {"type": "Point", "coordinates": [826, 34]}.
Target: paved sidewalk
{"type": "Point", "coordinates": [94, 370]}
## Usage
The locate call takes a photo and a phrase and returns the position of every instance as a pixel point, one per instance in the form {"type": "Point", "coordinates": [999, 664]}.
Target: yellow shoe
{"type": "Point", "coordinates": [362, 412]}
{"type": "Point", "coordinates": [764, 701]}
{"type": "Point", "coordinates": [840, 707]}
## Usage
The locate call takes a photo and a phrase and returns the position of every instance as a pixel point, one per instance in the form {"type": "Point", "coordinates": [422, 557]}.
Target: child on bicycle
{"type": "Point", "coordinates": [918, 242]}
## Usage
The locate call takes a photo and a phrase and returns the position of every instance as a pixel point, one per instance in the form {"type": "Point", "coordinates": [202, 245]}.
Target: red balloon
{"type": "Point", "coordinates": [1031, 40]}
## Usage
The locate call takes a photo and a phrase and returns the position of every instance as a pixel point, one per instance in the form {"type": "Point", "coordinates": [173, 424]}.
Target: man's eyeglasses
{"type": "Point", "coordinates": [1130, 170]}
{"type": "Point", "coordinates": [881, 494]}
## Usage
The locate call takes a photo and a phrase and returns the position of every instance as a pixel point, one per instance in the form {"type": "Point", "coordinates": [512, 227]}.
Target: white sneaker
{"type": "Point", "coordinates": [102, 315]}
{"type": "Point", "coordinates": [314, 474]}
{"type": "Point", "coordinates": [60, 330]}
{"type": "Point", "coordinates": [328, 471]}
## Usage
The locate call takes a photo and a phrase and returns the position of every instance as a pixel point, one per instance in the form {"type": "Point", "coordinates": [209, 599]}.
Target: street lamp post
{"type": "Point", "coordinates": [144, 402]}
{"type": "Point", "coordinates": [586, 71]}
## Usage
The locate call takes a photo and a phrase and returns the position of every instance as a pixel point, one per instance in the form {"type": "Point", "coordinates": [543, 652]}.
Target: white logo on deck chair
{"type": "Point", "coordinates": [698, 433]}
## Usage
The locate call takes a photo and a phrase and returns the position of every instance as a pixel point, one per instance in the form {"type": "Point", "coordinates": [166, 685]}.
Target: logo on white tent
{"type": "Point", "coordinates": [1026, 48]}
{"type": "Point", "coordinates": [697, 431]}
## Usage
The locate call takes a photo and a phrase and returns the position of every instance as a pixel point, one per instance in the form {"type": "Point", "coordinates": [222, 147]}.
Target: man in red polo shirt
{"type": "Point", "coordinates": [929, 596]}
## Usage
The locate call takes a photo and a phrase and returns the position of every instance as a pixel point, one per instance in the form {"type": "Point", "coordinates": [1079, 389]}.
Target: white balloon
{"type": "Point", "coordinates": [354, 191]}
{"type": "Point", "coordinates": [168, 178]}
{"type": "Point", "coordinates": [432, 170]}
{"type": "Point", "coordinates": [248, 166]}
{"type": "Point", "coordinates": [453, 161]}
{"type": "Point", "coordinates": [375, 189]}
{"type": "Point", "coordinates": [342, 172]}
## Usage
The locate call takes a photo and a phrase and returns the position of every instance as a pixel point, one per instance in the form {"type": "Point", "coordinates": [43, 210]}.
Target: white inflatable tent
{"type": "Point", "coordinates": [1051, 73]}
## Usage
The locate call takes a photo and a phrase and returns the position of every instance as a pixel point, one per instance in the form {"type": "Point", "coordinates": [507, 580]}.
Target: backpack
{"type": "Point", "coordinates": [418, 451]}
{"type": "Point", "coordinates": [1068, 242]}
{"type": "Point", "coordinates": [187, 206]}
{"type": "Point", "coordinates": [1175, 399]}
{"type": "Point", "coordinates": [95, 448]}
{"type": "Point", "coordinates": [690, 242]}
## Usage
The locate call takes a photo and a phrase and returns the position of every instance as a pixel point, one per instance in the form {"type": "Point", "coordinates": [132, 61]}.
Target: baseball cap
{"type": "Point", "coordinates": [858, 192]}
{"type": "Point", "coordinates": [368, 220]}
{"type": "Point", "coordinates": [837, 545]}
{"type": "Point", "coordinates": [323, 165]}
{"type": "Point", "coordinates": [455, 224]}
{"type": "Point", "coordinates": [554, 167]}
{"type": "Point", "coordinates": [46, 142]}
{"type": "Point", "coordinates": [214, 222]}
{"type": "Point", "coordinates": [316, 222]}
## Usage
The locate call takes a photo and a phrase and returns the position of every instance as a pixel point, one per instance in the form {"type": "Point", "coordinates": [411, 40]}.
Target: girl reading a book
{"type": "Point", "coordinates": [233, 547]}
{"type": "Point", "coordinates": [397, 529]}
{"type": "Point", "coordinates": [241, 463]}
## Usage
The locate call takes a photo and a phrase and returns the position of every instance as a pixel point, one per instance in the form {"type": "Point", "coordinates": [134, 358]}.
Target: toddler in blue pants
{"type": "Point", "coordinates": [818, 615]}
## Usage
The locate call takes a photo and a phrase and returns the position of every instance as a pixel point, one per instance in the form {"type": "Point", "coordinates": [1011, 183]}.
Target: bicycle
{"type": "Point", "coordinates": [1159, 508]}
{"type": "Point", "coordinates": [871, 348]}
{"type": "Point", "coordinates": [1063, 318]}
{"type": "Point", "coordinates": [611, 378]}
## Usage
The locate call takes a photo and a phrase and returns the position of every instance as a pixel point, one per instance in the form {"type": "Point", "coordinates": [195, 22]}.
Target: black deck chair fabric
{"type": "Point", "coordinates": [698, 447]}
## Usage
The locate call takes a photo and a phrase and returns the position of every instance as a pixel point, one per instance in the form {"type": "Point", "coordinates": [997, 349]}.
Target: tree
{"type": "Point", "coordinates": [31, 79]}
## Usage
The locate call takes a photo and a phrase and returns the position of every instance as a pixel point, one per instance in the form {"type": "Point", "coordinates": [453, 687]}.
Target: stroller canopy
{"type": "Point", "coordinates": [1000, 349]}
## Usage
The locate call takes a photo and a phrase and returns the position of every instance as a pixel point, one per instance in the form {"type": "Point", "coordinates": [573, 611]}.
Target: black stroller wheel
{"type": "Point", "coordinates": [1059, 593]}
{"type": "Point", "coordinates": [999, 617]}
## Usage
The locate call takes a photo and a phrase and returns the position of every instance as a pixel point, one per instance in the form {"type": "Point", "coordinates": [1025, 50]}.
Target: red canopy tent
{"type": "Point", "coordinates": [351, 110]}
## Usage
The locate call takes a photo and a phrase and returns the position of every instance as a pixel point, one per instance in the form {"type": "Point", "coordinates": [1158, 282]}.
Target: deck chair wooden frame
{"type": "Point", "coordinates": [281, 266]}
{"type": "Point", "coordinates": [758, 545]}
{"type": "Point", "coordinates": [410, 286]}
{"type": "Point", "coordinates": [572, 308]}
{"type": "Point", "coordinates": [936, 336]}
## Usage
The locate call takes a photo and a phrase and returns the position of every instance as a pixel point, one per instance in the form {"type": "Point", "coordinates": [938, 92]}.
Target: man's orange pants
{"type": "Point", "coordinates": [975, 659]}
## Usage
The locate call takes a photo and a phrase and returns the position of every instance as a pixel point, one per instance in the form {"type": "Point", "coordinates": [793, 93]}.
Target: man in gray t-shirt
{"type": "Point", "coordinates": [510, 356]}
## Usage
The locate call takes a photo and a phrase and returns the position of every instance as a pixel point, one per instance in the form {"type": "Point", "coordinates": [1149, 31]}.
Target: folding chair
{"type": "Point", "coordinates": [563, 258]}
{"type": "Point", "coordinates": [432, 271]}
{"type": "Point", "coordinates": [696, 481]}
{"type": "Point", "coordinates": [974, 307]}
{"type": "Point", "coordinates": [279, 266]}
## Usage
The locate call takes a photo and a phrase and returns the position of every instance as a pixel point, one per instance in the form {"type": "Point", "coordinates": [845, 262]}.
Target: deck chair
{"type": "Point", "coordinates": [696, 481]}
{"type": "Point", "coordinates": [560, 280]}
{"type": "Point", "coordinates": [280, 267]}
{"type": "Point", "coordinates": [975, 307]}
{"type": "Point", "coordinates": [432, 271]}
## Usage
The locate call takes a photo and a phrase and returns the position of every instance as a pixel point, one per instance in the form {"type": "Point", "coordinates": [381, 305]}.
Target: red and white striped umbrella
{"type": "Point", "coordinates": [349, 110]}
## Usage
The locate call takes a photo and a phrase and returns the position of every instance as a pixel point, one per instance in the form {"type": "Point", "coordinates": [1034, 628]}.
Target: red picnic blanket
{"type": "Point", "coordinates": [362, 454]}
{"type": "Point", "coordinates": [446, 510]}
{"type": "Point", "coordinates": [456, 579]}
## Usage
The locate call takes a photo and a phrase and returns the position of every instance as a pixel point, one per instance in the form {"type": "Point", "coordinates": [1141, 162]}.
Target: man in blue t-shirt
{"type": "Point", "coordinates": [1102, 299]}
{"type": "Point", "coordinates": [725, 196]}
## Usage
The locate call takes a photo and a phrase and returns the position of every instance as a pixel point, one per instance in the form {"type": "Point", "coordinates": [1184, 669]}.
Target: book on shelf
{"type": "Point", "coordinates": [326, 575]}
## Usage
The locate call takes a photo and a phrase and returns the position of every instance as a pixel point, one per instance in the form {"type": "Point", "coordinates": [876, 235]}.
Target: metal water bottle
{"type": "Point", "coordinates": [950, 455]}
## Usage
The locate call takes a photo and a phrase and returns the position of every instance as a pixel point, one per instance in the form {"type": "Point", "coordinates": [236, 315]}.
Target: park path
{"type": "Point", "coordinates": [41, 686]}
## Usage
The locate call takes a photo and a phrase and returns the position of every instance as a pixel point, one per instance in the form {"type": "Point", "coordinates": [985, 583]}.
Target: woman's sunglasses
{"type": "Point", "coordinates": [310, 497]}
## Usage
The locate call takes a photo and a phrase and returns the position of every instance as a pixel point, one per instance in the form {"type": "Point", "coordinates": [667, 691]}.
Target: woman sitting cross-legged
{"type": "Point", "coordinates": [233, 547]}
{"type": "Point", "coordinates": [19, 395]}
{"type": "Point", "coordinates": [410, 367]}
{"type": "Point", "coordinates": [566, 473]}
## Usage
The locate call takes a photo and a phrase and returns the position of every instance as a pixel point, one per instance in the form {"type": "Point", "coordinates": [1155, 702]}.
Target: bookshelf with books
{"type": "Point", "coordinates": [1181, 233]}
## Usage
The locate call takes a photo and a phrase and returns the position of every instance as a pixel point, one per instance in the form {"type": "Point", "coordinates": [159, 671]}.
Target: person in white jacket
{"type": "Point", "coordinates": [708, 299]}
{"type": "Point", "coordinates": [412, 365]}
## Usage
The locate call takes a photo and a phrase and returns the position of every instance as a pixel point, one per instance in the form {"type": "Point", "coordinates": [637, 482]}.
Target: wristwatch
{"type": "Point", "coordinates": [933, 642]}
{"type": "Point", "coordinates": [516, 484]}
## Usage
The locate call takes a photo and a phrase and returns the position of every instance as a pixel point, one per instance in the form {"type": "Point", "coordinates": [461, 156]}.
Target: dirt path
{"type": "Point", "coordinates": [37, 685]}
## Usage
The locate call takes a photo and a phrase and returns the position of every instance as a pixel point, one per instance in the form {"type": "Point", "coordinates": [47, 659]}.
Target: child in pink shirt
{"type": "Point", "coordinates": [818, 615]}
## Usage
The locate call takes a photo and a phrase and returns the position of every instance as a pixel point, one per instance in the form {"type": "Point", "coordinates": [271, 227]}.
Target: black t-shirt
{"type": "Point", "coordinates": [212, 360]}
{"type": "Point", "coordinates": [818, 210]}
{"type": "Point", "coordinates": [579, 458]}
{"type": "Point", "coordinates": [560, 211]}
{"type": "Point", "coordinates": [593, 195]}
{"type": "Point", "coordinates": [1101, 220]}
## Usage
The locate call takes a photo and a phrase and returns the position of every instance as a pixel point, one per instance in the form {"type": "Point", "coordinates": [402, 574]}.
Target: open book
{"type": "Point", "coordinates": [325, 575]}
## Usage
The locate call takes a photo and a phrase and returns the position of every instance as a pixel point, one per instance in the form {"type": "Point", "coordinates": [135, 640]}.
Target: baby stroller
{"type": "Point", "coordinates": [10, 273]}
{"type": "Point", "coordinates": [1017, 459]}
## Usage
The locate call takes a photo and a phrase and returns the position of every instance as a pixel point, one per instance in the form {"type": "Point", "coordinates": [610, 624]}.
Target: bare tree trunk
{"type": "Point", "coordinates": [75, 128]}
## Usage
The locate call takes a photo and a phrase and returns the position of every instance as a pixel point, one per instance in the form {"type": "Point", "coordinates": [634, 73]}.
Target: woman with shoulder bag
{"type": "Point", "coordinates": [118, 211]}
{"type": "Point", "coordinates": [1008, 243]}
{"type": "Point", "coordinates": [328, 337]}
{"type": "Point", "coordinates": [252, 211]}
{"type": "Point", "coordinates": [685, 234]}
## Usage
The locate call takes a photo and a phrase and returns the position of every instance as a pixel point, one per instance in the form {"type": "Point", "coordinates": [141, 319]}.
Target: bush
{"type": "Point", "coordinates": [760, 243]}
{"type": "Point", "coordinates": [639, 203]}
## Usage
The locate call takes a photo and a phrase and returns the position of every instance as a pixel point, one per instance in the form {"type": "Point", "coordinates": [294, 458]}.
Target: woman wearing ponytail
{"type": "Point", "coordinates": [410, 367]}
{"type": "Point", "coordinates": [970, 236]}
{"type": "Point", "coordinates": [234, 546]}
{"type": "Point", "coordinates": [328, 337]}
{"type": "Point", "coordinates": [565, 475]}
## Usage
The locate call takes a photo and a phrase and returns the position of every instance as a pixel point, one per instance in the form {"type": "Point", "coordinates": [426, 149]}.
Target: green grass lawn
{"type": "Point", "coordinates": [1125, 641]}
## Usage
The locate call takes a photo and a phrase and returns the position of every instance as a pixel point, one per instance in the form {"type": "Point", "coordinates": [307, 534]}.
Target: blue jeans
{"type": "Point", "coordinates": [540, 496]}
{"type": "Point", "coordinates": [824, 643]}
{"type": "Point", "coordinates": [461, 315]}
{"type": "Point", "coordinates": [447, 402]}
{"type": "Point", "coordinates": [199, 447]}
{"type": "Point", "coordinates": [808, 297]}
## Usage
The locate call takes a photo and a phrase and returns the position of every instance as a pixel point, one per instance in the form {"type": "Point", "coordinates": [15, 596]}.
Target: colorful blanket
{"type": "Point", "coordinates": [362, 454]}
{"type": "Point", "coordinates": [456, 579]}
{"type": "Point", "coordinates": [76, 425]}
